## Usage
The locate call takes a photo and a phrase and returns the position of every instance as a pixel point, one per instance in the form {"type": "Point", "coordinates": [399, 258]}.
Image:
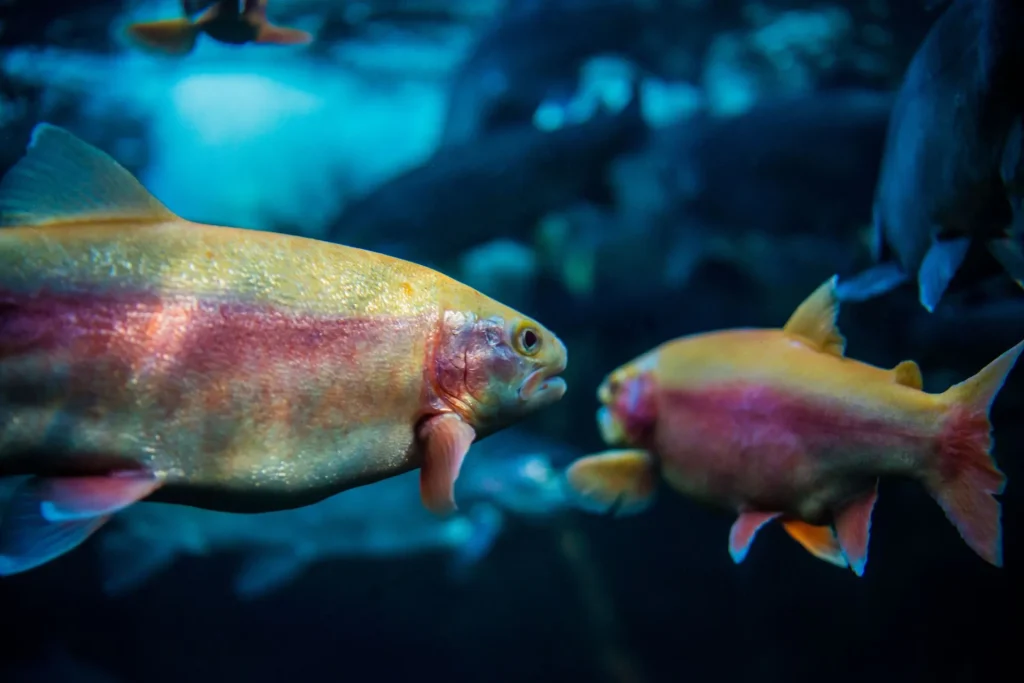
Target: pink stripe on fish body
{"type": "Point", "coordinates": [219, 393]}
{"type": "Point", "coordinates": [757, 418]}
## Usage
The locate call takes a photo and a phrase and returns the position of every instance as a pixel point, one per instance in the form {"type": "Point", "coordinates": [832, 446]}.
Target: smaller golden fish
{"type": "Point", "coordinates": [781, 424]}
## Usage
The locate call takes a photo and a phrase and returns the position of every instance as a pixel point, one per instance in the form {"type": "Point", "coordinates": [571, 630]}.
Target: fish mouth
{"type": "Point", "coordinates": [543, 386]}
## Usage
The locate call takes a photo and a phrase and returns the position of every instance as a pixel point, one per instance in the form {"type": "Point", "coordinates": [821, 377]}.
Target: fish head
{"type": "Point", "coordinates": [494, 367]}
{"type": "Point", "coordinates": [628, 408]}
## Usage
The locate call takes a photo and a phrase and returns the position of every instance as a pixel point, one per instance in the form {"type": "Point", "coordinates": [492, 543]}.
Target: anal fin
{"type": "Point", "coordinates": [853, 527]}
{"type": "Point", "coordinates": [819, 541]}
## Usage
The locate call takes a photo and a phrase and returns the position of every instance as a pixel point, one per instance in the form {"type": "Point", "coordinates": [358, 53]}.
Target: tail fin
{"type": "Point", "coordinates": [168, 36]}
{"type": "Point", "coordinates": [965, 477]}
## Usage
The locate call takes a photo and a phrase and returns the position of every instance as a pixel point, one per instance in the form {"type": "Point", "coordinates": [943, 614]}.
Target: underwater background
{"type": "Point", "coordinates": [627, 172]}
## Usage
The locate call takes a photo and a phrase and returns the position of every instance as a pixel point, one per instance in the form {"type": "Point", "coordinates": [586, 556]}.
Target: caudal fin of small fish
{"type": "Point", "coordinates": [128, 562]}
{"type": "Point", "coordinates": [619, 482]}
{"type": "Point", "coordinates": [62, 180]}
{"type": "Point", "coordinates": [487, 522]}
{"type": "Point", "coordinates": [48, 517]}
{"type": "Point", "coordinates": [270, 571]}
{"type": "Point", "coordinates": [871, 283]}
{"type": "Point", "coordinates": [965, 478]}
{"type": "Point", "coordinates": [173, 37]}
{"type": "Point", "coordinates": [940, 264]}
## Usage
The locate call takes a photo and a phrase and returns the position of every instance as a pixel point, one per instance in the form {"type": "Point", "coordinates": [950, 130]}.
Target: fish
{"type": "Point", "coordinates": [226, 21]}
{"type": "Point", "coordinates": [782, 424]}
{"type": "Point", "coordinates": [948, 196]}
{"type": "Point", "coordinates": [534, 52]}
{"type": "Point", "coordinates": [508, 181]}
{"type": "Point", "coordinates": [145, 356]}
{"type": "Point", "coordinates": [512, 473]}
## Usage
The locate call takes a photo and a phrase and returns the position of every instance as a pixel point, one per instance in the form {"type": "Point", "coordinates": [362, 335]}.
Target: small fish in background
{"type": "Point", "coordinates": [952, 177]}
{"type": "Point", "coordinates": [512, 472]}
{"type": "Point", "coordinates": [780, 424]}
{"type": "Point", "coordinates": [144, 356]}
{"type": "Point", "coordinates": [534, 52]}
{"type": "Point", "coordinates": [226, 21]}
{"type": "Point", "coordinates": [498, 186]}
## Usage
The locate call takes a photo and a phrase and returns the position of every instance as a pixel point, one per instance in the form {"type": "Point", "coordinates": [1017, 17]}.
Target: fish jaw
{"type": "Point", "coordinates": [493, 366]}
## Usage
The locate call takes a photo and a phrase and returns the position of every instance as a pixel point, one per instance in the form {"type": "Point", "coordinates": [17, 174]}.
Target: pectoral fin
{"type": "Point", "coordinates": [446, 440]}
{"type": "Point", "coordinates": [620, 482]}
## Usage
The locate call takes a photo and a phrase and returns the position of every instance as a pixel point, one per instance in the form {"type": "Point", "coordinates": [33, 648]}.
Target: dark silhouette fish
{"type": "Point", "coordinates": [952, 177]}
{"type": "Point", "coordinates": [497, 186]}
{"type": "Point", "coordinates": [534, 51]}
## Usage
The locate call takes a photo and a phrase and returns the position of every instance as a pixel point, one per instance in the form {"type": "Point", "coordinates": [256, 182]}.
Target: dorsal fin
{"type": "Point", "coordinates": [814, 321]}
{"type": "Point", "coordinates": [909, 375]}
{"type": "Point", "coordinates": [62, 179]}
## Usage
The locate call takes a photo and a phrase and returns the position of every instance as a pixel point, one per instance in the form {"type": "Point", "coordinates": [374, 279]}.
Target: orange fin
{"type": "Point", "coordinates": [908, 374]}
{"type": "Point", "coordinates": [814, 321]}
{"type": "Point", "coordinates": [268, 34]}
{"type": "Point", "coordinates": [819, 541]}
{"type": "Point", "coordinates": [621, 482]}
{"type": "Point", "coordinates": [48, 517]}
{"type": "Point", "coordinates": [965, 477]}
{"type": "Point", "coordinates": [743, 531]}
{"type": "Point", "coordinates": [853, 525]}
{"type": "Point", "coordinates": [168, 36]}
{"type": "Point", "coordinates": [446, 440]}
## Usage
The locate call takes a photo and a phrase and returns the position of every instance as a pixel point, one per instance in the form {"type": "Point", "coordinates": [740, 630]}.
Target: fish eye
{"type": "Point", "coordinates": [529, 340]}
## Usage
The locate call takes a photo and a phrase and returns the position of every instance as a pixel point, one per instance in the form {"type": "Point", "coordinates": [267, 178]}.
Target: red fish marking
{"type": "Point", "coordinates": [766, 437]}
{"type": "Point", "coordinates": [116, 340]}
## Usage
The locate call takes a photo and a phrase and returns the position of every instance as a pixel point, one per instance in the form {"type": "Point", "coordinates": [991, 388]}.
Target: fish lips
{"type": "Point", "coordinates": [543, 386]}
